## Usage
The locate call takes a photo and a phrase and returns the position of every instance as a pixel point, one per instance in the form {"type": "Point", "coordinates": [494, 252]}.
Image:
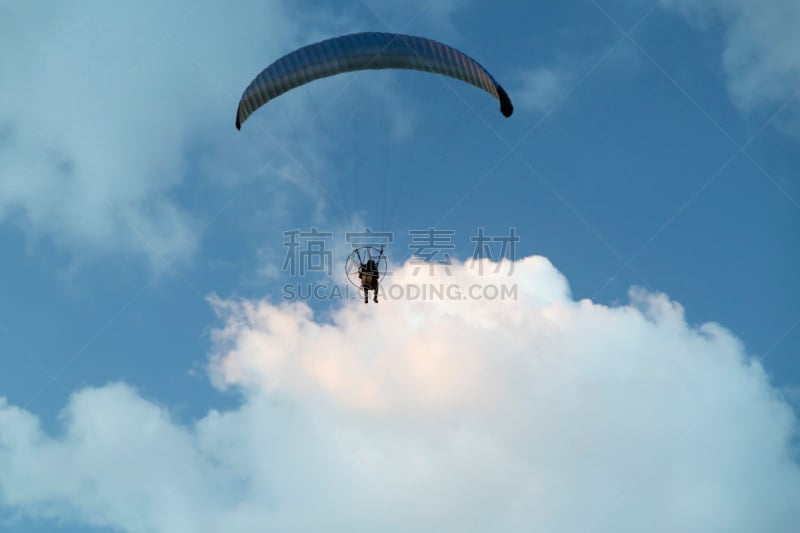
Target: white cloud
{"type": "Point", "coordinates": [762, 54]}
{"type": "Point", "coordinates": [108, 109]}
{"type": "Point", "coordinates": [540, 413]}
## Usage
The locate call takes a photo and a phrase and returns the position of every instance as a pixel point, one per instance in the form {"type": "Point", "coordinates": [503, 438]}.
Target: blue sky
{"type": "Point", "coordinates": [650, 167]}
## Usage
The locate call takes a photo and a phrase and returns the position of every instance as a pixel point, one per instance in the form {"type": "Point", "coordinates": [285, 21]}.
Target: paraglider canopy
{"type": "Point", "coordinates": [365, 51]}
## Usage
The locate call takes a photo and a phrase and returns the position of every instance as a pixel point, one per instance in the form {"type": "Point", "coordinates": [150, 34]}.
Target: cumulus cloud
{"type": "Point", "coordinates": [761, 57]}
{"type": "Point", "coordinates": [462, 412]}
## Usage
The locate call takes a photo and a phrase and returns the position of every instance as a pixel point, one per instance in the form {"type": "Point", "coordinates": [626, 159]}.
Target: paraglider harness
{"type": "Point", "coordinates": [369, 275]}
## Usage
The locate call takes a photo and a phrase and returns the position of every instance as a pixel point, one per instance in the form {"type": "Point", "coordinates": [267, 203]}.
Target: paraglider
{"type": "Point", "coordinates": [365, 51]}
{"type": "Point", "coordinates": [365, 268]}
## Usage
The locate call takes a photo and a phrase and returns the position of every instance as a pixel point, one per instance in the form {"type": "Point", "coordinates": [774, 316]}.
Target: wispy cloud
{"type": "Point", "coordinates": [106, 108]}
{"type": "Point", "coordinates": [542, 88]}
{"type": "Point", "coordinates": [761, 56]}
